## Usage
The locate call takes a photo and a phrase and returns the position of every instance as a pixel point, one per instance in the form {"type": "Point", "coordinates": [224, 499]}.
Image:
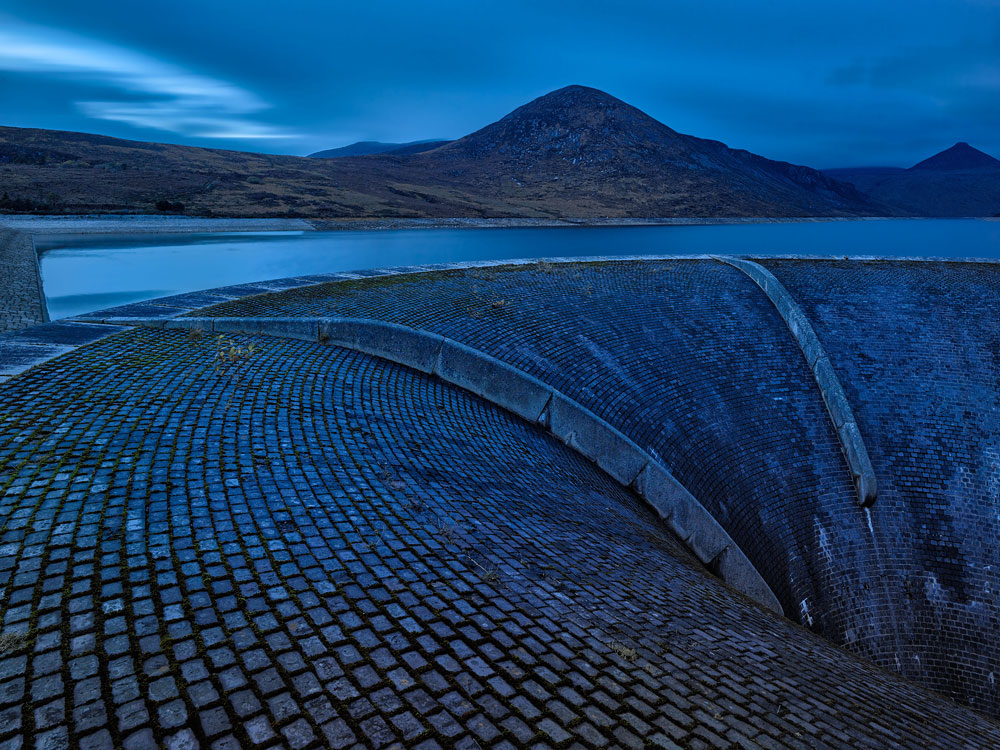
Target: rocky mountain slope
{"type": "Point", "coordinates": [576, 152]}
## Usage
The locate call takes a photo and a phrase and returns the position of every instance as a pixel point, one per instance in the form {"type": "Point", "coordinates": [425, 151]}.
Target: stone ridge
{"type": "Point", "coordinates": [317, 548]}
{"type": "Point", "coordinates": [833, 393]}
{"type": "Point", "coordinates": [530, 399]}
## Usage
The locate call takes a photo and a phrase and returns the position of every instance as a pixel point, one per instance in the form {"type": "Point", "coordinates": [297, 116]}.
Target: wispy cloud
{"type": "Point", "coordinates": [155, 94]}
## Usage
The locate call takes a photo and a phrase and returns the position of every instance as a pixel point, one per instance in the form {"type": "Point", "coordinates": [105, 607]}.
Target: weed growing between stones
{"type": "Point", "coordinates": [490, 573]}
{"type": "Point", "coordinates": [229, 356]}
{"type": "Point", "coordinates": [231, 360]}
{"type": "Point", "coordinates": [628, 654]}
{"type": "Point", "coordinates": [12, 642]}
{"type": "Point", "coordinates": [447, 531]}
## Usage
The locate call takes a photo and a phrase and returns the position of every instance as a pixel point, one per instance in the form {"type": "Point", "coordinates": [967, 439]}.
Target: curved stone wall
{"type": "Point", "coordinates": [530, 399]}
{"type": "Point", "coordinates": [917, 347]}
{"type": "Point", "coordinates": [829, 386]}
{"type": "Point", "coordinates": [690, 359]}
{"type": "Point", "coordinates": [317, 548]}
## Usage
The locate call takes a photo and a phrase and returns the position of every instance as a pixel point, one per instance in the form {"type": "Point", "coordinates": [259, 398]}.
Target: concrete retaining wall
{"type": "Point", "coordinates": [529, 398]}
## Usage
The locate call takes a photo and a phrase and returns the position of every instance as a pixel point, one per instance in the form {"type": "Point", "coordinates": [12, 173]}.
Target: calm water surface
{"type": "Point", "coordinates": [89, 272]}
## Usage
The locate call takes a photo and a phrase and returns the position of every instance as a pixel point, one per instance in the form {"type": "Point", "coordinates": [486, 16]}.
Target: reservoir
{"type": "Point", "coordinates": [83, 273]}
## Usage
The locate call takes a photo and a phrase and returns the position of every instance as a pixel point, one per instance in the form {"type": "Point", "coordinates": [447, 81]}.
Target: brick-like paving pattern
{"type": "Point", "coordinates": [917, 347]}
{"type": "Point", "coordinates": [21, 301]}
{"type": "Point", "coordinates": [328, 550]}
{"type": "Point", "coordinates": [690, 359]}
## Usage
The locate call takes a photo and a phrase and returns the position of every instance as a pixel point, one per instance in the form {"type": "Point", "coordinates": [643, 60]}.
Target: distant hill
{"type": "Point", "coordinates": [960, 157]}
{"type": "Point", "coordinates": [363, 148]}
{"type": "Point", "coordinates": [959, 181]}
{"type": "Point", "coordinates": [576, 152]}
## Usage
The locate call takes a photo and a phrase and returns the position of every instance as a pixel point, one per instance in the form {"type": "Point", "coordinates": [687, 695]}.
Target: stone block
{"type": "Point", "coordinates": [832, 392]}
{"type": "Point", "coordinates": [119, 320]}
{"type": "Point", "coordinates": [733, 567]}
{"type": "Point", "coordinates": [236, 325]}
{"type": "Point", "coordinates": [799, 326]}
{"type": "Point", "coordinates": [302, 329]}
{"type": "Point", "coordinates": [492, 379]}
{"type": "Point", "coordinates": [859, 463]}
{"type": "Point", "coordinates": [812, 349]}
{"type": "Point", "coordinates": [854, 448]}
{"type": "Point", "coordinates": [867, 487]}
{"type": "Point", "coordinates": [699, 530]}
{"type": "Point", "coordinates": [837, 405]}
{"type": "Point", "coordinates": [186, 324]}
{"type": "Point", "coordinates": [396, 343]}
{"type": "Point", "coordinates": [583, 430]}
{"type": "Point", "coordinates": [658, 487]}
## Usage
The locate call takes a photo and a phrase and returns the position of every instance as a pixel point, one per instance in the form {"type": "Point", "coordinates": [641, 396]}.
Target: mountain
{"type": "Point", "coordinates": [959, 181]}
{"type": "Point", "coordinates": [576, 152]}
{"type": "Point", "coordinates": [363, 148]}
{"type": "Point", "coordinates": [582, 147]}
{"type": "Point", "coordinates": [959, 157]}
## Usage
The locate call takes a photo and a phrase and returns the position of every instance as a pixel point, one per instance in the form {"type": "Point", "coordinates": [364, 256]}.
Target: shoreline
{"type": "Point", "coordinates": [155, 224]}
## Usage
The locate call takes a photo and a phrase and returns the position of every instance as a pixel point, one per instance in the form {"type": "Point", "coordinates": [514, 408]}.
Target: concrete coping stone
{"type": "Point", "coordinates": [496, 381]}
{"type": "Point", "coordinates": [518, 392]}
{"type": "Point", "coordinates": [837, 404]}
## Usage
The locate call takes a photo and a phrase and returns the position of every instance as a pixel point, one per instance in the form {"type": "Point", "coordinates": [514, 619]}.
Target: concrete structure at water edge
{"type": "Point", "coordinates": [629, 502]}
{"type": "Point", "coordinates": [22, 302]}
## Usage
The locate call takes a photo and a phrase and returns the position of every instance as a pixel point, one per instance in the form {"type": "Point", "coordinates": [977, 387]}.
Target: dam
{"type": "Point", "coordinates": [686, 502]}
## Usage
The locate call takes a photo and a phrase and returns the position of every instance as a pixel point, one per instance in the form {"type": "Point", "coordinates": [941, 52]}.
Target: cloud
{"type": "Point", "coordinates": [946, 72]}
{"type": "Point", "coordinates": [151, 93]}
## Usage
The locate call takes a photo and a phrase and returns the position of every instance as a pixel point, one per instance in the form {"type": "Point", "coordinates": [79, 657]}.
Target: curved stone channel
{"type": "Point", "coordinates": [693, 362]}
{"type": "Point", "coordinates": [325, 549]}
{"type": "Point", "coordinates": [309, 546]}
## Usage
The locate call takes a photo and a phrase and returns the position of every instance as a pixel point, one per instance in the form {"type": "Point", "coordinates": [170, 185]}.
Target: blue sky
{"type": "Point", "coordinates": [818, 83]}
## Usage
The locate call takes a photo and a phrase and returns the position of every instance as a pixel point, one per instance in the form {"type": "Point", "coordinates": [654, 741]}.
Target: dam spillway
{"type": "Point", "coordinates": [357, 548]}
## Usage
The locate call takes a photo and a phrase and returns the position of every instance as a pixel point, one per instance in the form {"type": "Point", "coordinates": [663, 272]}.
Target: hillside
{"type": "Point", "coordinates": [959, 181]}
{"type": "Point", "coordinates": [576, 152]}
{"type": "Point", "coordinates": [363, 148]}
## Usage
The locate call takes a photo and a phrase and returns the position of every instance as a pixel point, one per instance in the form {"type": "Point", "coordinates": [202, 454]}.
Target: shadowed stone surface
{"type": "Point", "coordinates": [826, 379]}
{"type": "Point", "coordinates": [319, 548]}
{"type": "Point", "coordinates": [917, 348]}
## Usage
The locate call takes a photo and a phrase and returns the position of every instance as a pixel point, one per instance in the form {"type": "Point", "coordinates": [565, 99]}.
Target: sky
{"type": "Point", "coordinates": [846, 83]}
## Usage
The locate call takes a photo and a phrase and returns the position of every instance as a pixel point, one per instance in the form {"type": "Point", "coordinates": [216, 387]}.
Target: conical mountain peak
{"type": "Point", "coordinates": [959, 157]}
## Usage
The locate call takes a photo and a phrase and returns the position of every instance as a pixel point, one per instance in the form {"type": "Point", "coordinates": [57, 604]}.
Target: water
{"type": "Point", "coordinates": [83, 273]}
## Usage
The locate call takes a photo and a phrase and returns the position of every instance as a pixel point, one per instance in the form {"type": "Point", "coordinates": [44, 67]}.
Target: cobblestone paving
{"type": "Point", "coordinates": [917, 347]}
{"type": "Point", "coordinates": [321, 549]}
{"type": "Point", "coordinates": [690, 359]}
{"type": "Point", "coordinates": [21, 301]}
